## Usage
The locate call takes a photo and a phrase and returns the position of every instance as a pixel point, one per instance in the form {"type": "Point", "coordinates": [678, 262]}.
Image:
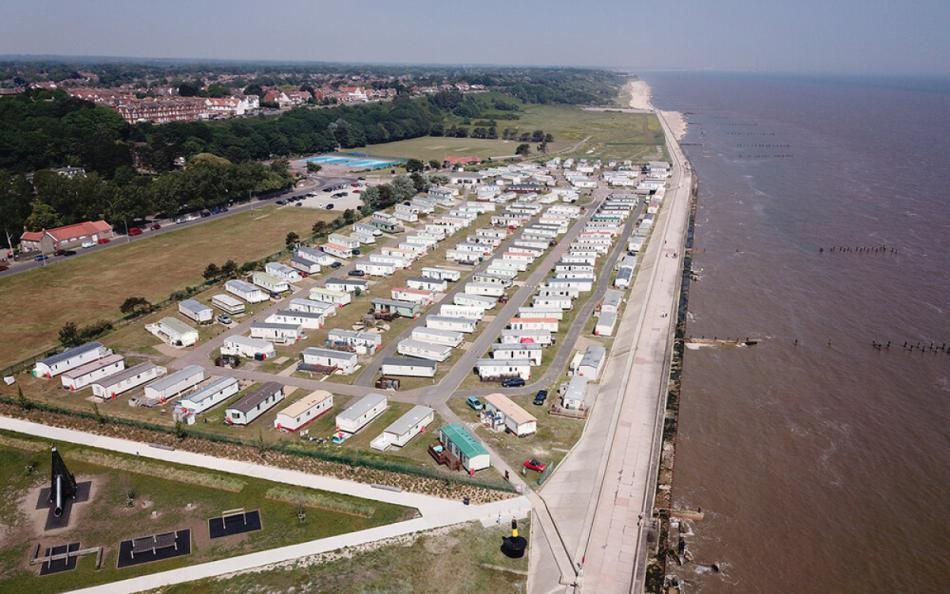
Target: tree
{"type": "Point", "coordinates": [419, 182]}
{"type": "Point", "coordinates": [229, 269]}
{"type": "Point", "coordinates": [403, 188]}
{"type": "Point", "coordinates": [254, 89]}
{"type": "Point", "coordinates": [135, 306]}
{"type": "Point", "coordinates": [211, 272]}
{"type": "Point", "coordinates": [433, 164]}
{"type": "Point", "coordinates": [413, 165]}
{"type": "Point", "coordinates": [320, 227]}
{"type": "Point", "coordinates": [69, 335]}
{"type": "Point", "coordinates": [349, 216]}
{"type": "Point", "coordinates": [42, 217]}
{"type": "Point", "coordinates": [189, 88]}
{"type": "Point", "coordinates": [291, 240]}
{"type": "Point", "coordinates": [313, 167]}
{"type": "Point", "coordinates": [523, 149]}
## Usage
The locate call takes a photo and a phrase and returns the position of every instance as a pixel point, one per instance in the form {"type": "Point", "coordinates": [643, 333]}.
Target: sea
{"type": "Point", "coordinates": [820, 457]}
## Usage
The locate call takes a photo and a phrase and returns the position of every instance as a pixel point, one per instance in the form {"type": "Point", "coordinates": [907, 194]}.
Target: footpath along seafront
{"type": "Point", "coordinates": [601, 496]}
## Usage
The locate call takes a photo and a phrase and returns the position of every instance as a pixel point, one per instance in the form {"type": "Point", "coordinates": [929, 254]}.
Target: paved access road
{"type": "Point", "coordinates": [602, 493]}
{"type": "Point", "coordinates": [435, 512]}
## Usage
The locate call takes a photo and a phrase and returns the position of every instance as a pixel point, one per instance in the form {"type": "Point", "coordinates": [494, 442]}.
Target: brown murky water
{"type": "Point", "coordinates": [822, 465]}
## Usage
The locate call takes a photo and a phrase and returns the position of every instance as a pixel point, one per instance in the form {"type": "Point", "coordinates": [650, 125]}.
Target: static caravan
{"type": "Point", "coordinates": [414, 295]}
{"type": "Point", "coordinates": [174, 332]}
{"type": "Point", "coordinates": [404, 428]}
{"type": "Point", "coordinates": [441, 273]}
{"type": "Point", "coordinates": [385, 222]}
{"type": "Point", "coordinates": [347, 285]}
{"type": "Point", "coordinates": [400, 261]}
{"type": "Point", "coordinates": [366, 228]}
{"type": "Point", "coordinates": [592, 363]}
{"type": "Point", "coordinates": [427, 284]}
{"type": "Point", "coordinates": [361, 413]}
{"type": "Point", "coordinates": [115, 384]}
{"type": "Point", "coordinates": [582, 284]}
{"type": "Point", "coordinates": [444, 337]}
{"type": "Point", "coordinates": [343, 240]}
{"type": "Point", "coordinates": [484, 302]}
{"type": "Point", "coordinates": [375, 268]}
{"type": "Point", "coordinates": [465, 325]}
{"type": "Point", "coordinates": [196, 310]}
{"type": "Point", "coordinates": [336, 250]}
{"type": "Point", "coordinates": [577, 393]}
{"type": "Point", "coordinates": [253, 405]}
{"type": "Point", "coordinates": [547, 290]}
{"type": "Point", "coordinates": [303, 412]}
{"type": "Point", "coordinates": [487, 278]}
{"type": "Point", "coordinates": [410, 213]}
{"type": "Point", "coordinates": [405, 309]}
{"type": "Point", "coordinates": [279, 333]}
{"type": "Point", "coordinates": [463, 257]}
{"type": "Point", "coordinates": [423, 350]}
{"type": "Point", "coordinates": [582, 275]}
{"type": "Point", "coordinates": [578, 258]}
{"type": "Point", "coordinates": [474, 288]}
{"type": "Point", "coordinates": [207, 397]}
{"type": "Point", "coordinates": [562, 267]}
{"type": "Point", "coordinates": [302, 319]}
{"type": "Point", "coordinates": [532, 244]}
{"type": "Point", "coordinates": [514, 418]}
{"type": "Point", "coordinates": [345, 361]}
{"type": "Point", "coordinates": [437, 231]}
{"type": "Point", "coordinates": [269, 282]}
{"type": "Point", "coordinates": [450, 310]}
{"type": "Point", "coordinates": [84, 375]}
{"type": "Point", "coordinates": [497, 369]}
{"type": "Point", "coordinates": [532, 352]}
{"type": "Point", "coordinates": [611, 302]}
{"type": "Point", "coordinates": [71, 358]}
{"type": "Point", "coordinates": [282, 271]}
{"type": "Point", "coordinates": [408, 366]}
{"type": "Point", "coordinates": [364, 343]}
{"type": "Point", "coordinates": [251, 348]}
{"type": "Point", "coordinates": [542, 337]}
{"type": "Point", "coordinates": [635, 244]}
{"type": "Point", "coordinates": [245, 291]}
{"type": "Point", "coordinates": [338, 298]}
{"type": "Point", "coordinates": [311, 306]}
{"type": "Point", "coordinates": [173, 384]}
{"type": "Point", "coordinates": [506, 261]}
{"type": "Point", "coordinates": [549, 324]}
{"type": "Point", "coordinates": [305, 266]}
{"type": "Point", "coordinates": [497, 269]}
{"type": "Point", "coordinates": [228, 304]}
{"type": "Point", "coordinates": [534, 311]}
{"type": "Point", "coordinates": [363, 238]}
{"type": "Point", "coordinates": [462, 445]}
{"type": "Point", "coordinates": [624, 278]}
{"type": "Point", "coordinates": [605, 324]}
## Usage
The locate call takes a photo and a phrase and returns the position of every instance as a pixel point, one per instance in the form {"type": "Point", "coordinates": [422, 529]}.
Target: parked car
{"type": "Point", "coordinates": [104, 240]}
{"type": "Point", "coordinates": [135, 231]}
{"type": "Point", "coordinates": [355, 251]}
{"type": "Point", "coordinates": [88, 243]}
{"type": "Point", "coordinates": [512, 382]}
{"type": "Point", "coordinates": [4, 267]}
{"type": "Point", "coordinates": [535, 464]}
{"type": "Point", "coordinates": [224, 318]}
{"type": "Point", "coordinates": [298, 204]}
{"type": "Point", "coordinates": [41, 258]}
{"type": "Point", "coordinates": [65, 253]}
{"type": "Point", "coordinates": [205, 214]}
{"type": "Point", "coordinates": [540, 397]}
{"type": "Point", "coordinates": [156, 226]}
{"type": "Point", "coordinates": [474, 403]}
{"type": "Point", "coordinates": [330, 206]}
{"type": "Point", "coordinates": [335, 265]}
{"type": "Point", "coordinates": [281, 202]}
{"type": "Point", "coordinates": [327, 189]}
{"type": "Point", "coordinates": [356, 273]}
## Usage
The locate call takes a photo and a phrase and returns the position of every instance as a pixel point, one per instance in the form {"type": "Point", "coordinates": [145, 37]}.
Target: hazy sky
{"type": "Point", "coordinates": [865, 36]}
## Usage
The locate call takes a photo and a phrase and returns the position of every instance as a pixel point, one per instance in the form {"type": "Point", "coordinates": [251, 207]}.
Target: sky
{"type": "Point", "coordinates": [810, 36]}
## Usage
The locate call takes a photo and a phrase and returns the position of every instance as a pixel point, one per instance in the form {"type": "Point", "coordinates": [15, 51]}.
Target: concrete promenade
{"type": "Point", "coordinates": [435, 511]}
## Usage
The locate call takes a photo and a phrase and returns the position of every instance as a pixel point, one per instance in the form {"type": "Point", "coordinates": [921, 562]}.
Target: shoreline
{"type": "Point", "coordinates": [641, 96]}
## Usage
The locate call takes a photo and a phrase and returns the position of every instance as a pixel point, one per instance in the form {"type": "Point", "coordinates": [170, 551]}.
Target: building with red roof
{"type": "Point", "coordinates": [63, 238]}
{"type": "Point", "coordinates": [460, 160]}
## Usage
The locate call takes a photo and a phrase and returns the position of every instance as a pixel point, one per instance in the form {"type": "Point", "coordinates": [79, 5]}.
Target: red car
{"type": "Point", "coordinates": [156, 226]}
{"type": "Point", "coordinates": [104, 240]}
{"type": "Point", "coordinates": [535, 464]}
{"type": "Point", "coordinates": [135, 231]}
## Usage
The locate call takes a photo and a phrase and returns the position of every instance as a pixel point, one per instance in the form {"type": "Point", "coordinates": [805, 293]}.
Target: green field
{"type": "Point", "coordinates": [34, 305]}
{"type": "Point", "coordinates": [428, 148]}
{"type": "Point", "coordinates": [165, 497]}
{"type": "Point", "coordinates": [459, 561]}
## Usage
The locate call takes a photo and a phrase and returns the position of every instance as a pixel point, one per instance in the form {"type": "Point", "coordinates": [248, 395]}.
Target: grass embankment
{"type": "Point", "coordinates": [166, 497]}
{"type": "Point", "coordinates": [460, 560]}
{"type": "Point", "coordinates": [36, 304]}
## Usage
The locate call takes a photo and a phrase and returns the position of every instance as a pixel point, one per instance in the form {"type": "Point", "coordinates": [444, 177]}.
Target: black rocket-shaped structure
{"type": "Point", "coordinates": [514, 546]}
{"type": "Point", "coordinates": [62, 484]}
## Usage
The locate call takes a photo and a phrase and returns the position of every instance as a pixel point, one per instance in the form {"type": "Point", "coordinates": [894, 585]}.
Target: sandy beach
{"type": "Point", "coordinates": [640, 95]}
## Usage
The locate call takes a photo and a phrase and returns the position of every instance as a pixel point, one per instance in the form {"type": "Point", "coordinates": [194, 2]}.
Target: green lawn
{"type": "Point", "coordinates": [166, 497]}
{"type": "Point", "coordinates": [427, 148]}
{"type": "Point", "coordinates": [34, 305]}
{"type": "Point", "coordinates": [460, 561]}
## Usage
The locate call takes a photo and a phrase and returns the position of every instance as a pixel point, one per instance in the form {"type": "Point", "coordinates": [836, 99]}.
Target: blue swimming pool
{"type": "Point", "coordinates": [356, 163]}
